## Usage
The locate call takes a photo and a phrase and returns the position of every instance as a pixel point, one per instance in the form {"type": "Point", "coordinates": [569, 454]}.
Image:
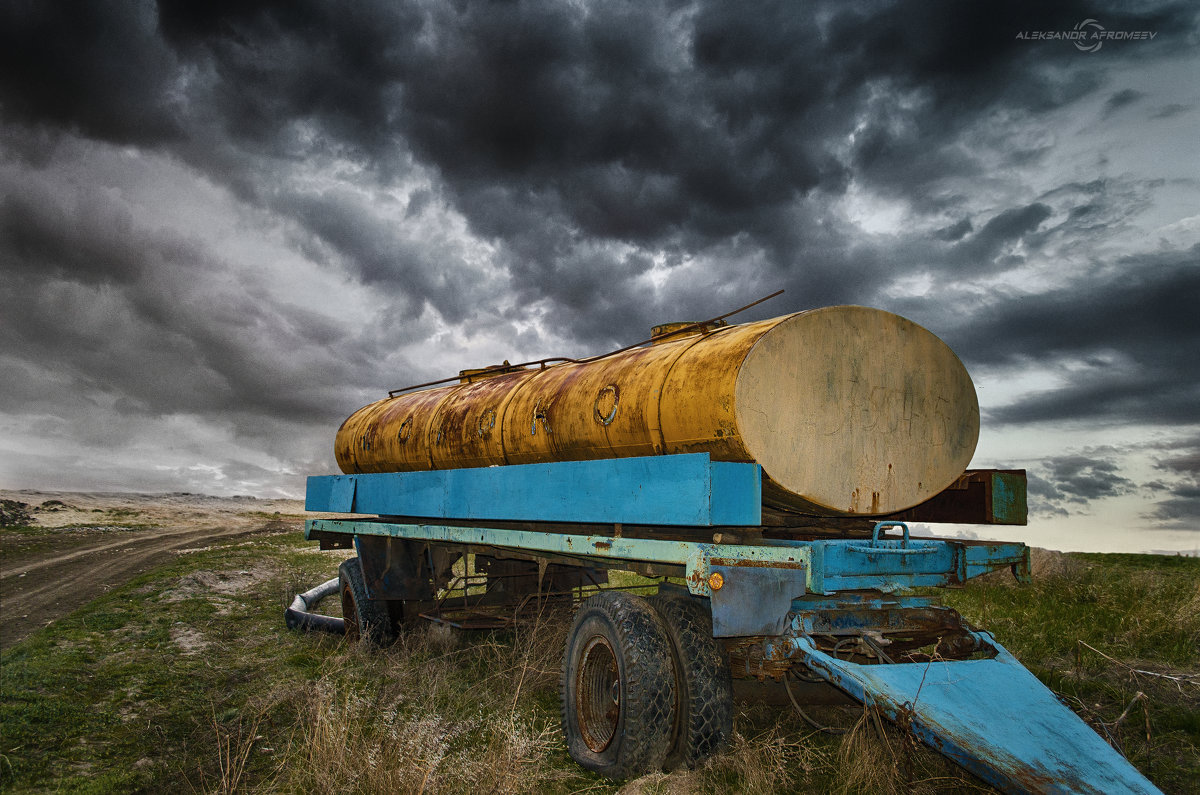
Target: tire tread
{"type": "Point", "coordinates": [648, 708]}
{"type": "Point", "coordinates": [373, 617]}
{"type": "Point", "coordinates": [706, 690]}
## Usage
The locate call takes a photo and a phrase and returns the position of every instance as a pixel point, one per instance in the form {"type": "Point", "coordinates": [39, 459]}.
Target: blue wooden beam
{"type": "Point", "coordinates": [680, 490]}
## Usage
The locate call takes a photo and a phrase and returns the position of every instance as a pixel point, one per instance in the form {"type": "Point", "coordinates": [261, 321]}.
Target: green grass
{"type": "Point", "coordinates": [186, 679]}
{"type": "Point", "coordinates": [1137, 607]}
{"type": "Point", "coordinates": [1139, 615]}
{"type": "Point", "coordinates": [109, 699]}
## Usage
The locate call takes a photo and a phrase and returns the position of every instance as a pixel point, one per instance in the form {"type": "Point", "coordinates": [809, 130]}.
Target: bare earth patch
{"type": "Point", "coordinates": [82, 545]}
{"type": "Point", "coordinates": [223, 583]}
{"type": "Point", "coordinates": [188, 639]}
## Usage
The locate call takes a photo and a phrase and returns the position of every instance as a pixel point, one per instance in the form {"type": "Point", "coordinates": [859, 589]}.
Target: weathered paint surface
{"type": "Point", "coordinates": [849, 572]}
{"type": "Point", "coordinates": [978, 496]}
{"type": "Point", "coordinates": [992, 716]}
{"type": "Point", "coordinates": [1009, 494]}
{"type": "Point", "coordinates": [753, 598]}
{"type": "Point", "coordinates": [668, 490]}
{"type": "Point", "coordinates": [851, 411]}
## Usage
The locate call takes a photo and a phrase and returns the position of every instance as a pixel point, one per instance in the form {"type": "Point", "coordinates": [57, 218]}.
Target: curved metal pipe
{"type": "Point", "coordinates": [298, 617]}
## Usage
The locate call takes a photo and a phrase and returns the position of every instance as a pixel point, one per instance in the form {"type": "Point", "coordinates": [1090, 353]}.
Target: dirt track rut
{"type": "Point", "coordinates": [94, 543]}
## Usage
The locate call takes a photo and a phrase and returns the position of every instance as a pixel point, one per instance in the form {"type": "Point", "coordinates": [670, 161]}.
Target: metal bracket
{"type": "Point", "coordinates": [753, 597]}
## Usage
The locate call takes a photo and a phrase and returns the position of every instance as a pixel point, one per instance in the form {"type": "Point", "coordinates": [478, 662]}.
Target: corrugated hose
{"type": "Point", "coordinates": [299, 618]}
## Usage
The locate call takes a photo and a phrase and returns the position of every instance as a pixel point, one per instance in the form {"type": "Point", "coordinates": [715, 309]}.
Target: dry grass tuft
{"type": "Point", "coordinates": [535, 657]}
{"type": "Point", "coordinates": [235, 745]}
{"type": "Point", "coordinates": [1048, 564]}
{"type": "Point", "coordinates": [867, 761]}
{"type": "Point", "coordinates": [878, 758]}
{"type": "Point", "coordinates": [765, 763]}
{"type": "Point", "coordinates": [431, 714]}
{"type": "Point", "coordinates": [352, 743]}
{"type": "Point", "coordinates": [772, 760]}
{"type": "Point", "coordinates": [1187, 615]}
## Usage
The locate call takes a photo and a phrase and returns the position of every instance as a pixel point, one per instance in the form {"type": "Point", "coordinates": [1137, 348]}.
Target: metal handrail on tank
{"type": "Point", "coordinates": [566, 360]}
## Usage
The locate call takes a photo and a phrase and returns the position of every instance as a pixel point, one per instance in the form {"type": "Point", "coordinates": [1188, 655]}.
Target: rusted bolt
{"type": "Point", "coordinates": [716, 581]}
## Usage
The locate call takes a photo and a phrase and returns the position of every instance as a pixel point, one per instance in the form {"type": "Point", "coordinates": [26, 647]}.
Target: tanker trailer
{"type": "Point", "coordinates": [763, 475]}
{"type": "Point", "coordinates": [849, 411]}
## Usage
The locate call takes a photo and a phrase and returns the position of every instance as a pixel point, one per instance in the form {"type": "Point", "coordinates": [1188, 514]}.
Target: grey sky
{"type": "Point", "coordinates": [226, 225]}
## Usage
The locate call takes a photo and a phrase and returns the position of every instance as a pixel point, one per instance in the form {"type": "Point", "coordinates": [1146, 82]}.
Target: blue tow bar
{"type": "Point", "coordinates": [992, 716]}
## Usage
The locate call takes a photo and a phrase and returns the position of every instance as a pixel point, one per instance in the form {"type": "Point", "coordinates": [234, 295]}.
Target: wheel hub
{"type": "Point", "coordinates": [598, 694]}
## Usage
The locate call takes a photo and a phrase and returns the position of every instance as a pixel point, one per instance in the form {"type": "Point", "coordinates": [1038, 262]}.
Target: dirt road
{"type": "Point", "coordinates": [82, 545]}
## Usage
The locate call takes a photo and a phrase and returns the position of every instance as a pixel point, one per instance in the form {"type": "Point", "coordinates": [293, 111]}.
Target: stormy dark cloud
{"type": "Point", "coordinates": [1120, 99]}
{"type": "Point", "coordinates": [100, 69]}
{"type": "Point", "coordinates": [1076, 480]}
{"type": "Point", "coordinates": [1179, 464]}
{"type": "Point", "coordinates": [228, 224]}
{"type": "Point", "coordinates": [1122, 332]}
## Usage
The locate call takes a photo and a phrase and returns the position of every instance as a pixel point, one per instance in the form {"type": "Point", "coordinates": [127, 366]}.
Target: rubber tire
{"type": "Point", "coordinates": [704, 687]}
{"type": "Point", "coordinates": [364, 617]}
{"type": "Point", "coordinates": [637, 639]}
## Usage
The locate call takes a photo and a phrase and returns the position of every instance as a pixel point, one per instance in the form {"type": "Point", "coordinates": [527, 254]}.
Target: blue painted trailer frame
{"type": "Point", "coordinates": [980, 708]}
{"type": "Point", "coordinates": [854, 572]}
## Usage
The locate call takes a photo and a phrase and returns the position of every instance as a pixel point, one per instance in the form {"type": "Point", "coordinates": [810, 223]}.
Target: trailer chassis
{"type": "Point", "coordinates": [647, 683]}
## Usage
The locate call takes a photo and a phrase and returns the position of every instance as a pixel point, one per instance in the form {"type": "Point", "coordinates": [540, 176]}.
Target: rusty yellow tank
{"type": "Point", "coordinates": [850, 411]}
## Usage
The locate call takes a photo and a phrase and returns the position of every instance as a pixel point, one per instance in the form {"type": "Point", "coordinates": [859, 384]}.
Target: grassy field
{"type": "Point", "coordinates": [1101, 629]}
{"type": "Point", "coordinates": [186, 679]}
